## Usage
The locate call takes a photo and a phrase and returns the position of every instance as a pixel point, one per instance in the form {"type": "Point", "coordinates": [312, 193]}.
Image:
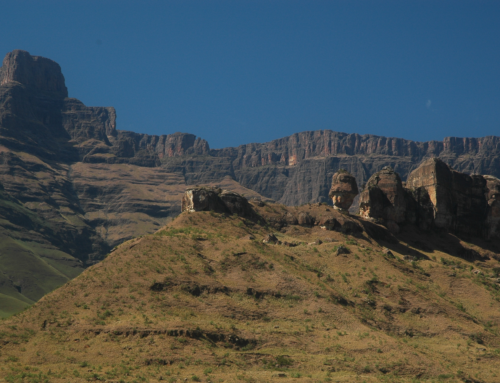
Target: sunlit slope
{"type": "Point", "coordinates": [205, 299]}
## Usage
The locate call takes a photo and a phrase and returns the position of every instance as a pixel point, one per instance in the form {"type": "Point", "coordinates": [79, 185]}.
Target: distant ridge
{"type": "Point", "coordinates": [79, 186]}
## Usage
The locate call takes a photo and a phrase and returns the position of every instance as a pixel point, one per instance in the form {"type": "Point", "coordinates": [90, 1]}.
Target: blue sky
{"type": "Point", "coordinates": [235, 72]}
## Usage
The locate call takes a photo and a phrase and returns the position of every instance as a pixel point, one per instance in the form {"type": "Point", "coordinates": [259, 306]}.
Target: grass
{"type": "Point", "coordinates": [311, 318]}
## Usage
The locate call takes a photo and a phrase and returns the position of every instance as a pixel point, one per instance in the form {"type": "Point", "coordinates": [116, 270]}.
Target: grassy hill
{"type": "Point", "coordinates": [57, 219]}
{"type": "Point", "coordinates": [204, 299]}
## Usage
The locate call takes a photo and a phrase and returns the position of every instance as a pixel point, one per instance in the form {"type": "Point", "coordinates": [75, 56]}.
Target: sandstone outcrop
{"type": "Point", "coordinates": [298, 169]}
{"type": "Point", "coordinates": [434, 196]}
{"type": "Point", "coordinates": [236, 204]}
{"type": "Point", "coordinates": [384, 199]}
{"type": "Point", "coordinates": [306, 219]}
{"type": "Point", "coordinates": [342, 250]}
{"type": "Point", "coordinates": [202, 199]}
{"type": "Point", "coordinates": [216, 200]}
{"type": "Point", "coordinates": [344, 189]}
{"type": "Point", "coordinates": [271, 238]}
{"type": "Point", "coordinates": [33, 72]}
{"type": "Point", "coordinates": [459, 200]}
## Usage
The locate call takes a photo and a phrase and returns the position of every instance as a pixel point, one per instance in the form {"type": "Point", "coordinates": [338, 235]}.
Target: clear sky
{"type": "Point", "coordinates": [239, 71]}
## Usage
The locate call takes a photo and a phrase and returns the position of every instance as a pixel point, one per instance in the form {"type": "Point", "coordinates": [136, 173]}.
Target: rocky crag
{"type": "Point", "coordinates": [75, 186]}
{"type": "Point", "coordinates": [344, 189]}
{"type": "Point", "coordinates": [434, 196]}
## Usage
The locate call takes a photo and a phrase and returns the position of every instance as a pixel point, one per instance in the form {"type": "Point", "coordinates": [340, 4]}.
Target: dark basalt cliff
{"type": "Point", "coordinates": [94, 186]}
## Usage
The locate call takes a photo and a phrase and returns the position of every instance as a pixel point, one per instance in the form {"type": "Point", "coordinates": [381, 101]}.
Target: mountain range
{"type": "Point", "coordinates": [73, 186]}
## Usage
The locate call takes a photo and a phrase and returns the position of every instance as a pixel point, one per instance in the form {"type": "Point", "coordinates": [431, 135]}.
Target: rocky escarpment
{"type": "Point", "coordinates": [298, 169]}
{"type": "Point", "coordinates": [435, 195]}
{"type": "Point", "coordinates": [33, 72]}
{"type": "Point", "coordinates": [226, 202]}
{"type": "Point", "coordinates": [93, 185]}
{"type": "Point", "coordinates": [460, 201]}
{"type": "Point", "coordinates": [293, 170]}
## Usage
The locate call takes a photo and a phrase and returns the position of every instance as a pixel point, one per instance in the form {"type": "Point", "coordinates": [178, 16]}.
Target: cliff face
{"type": "Point", "coordinates": [460, 201]}
{"type": "Point", "coordinates": [384, 198]}
{"type": "Point", "coordinates": [33, 72]}
{"type": "Point", "coordinates": [319, 154]}
{"type": "Point", "coordinates": [94, 185]}
{"type": "Point", "coordinates": [435, 195]}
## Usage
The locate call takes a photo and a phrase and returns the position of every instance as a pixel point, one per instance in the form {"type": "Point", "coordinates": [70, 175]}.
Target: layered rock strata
{"type": "Point", "coordinates": [292, 170]}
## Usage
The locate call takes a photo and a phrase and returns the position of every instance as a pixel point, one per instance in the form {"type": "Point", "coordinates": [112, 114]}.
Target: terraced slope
{"type": "Point", "coordinates": [204, 299]}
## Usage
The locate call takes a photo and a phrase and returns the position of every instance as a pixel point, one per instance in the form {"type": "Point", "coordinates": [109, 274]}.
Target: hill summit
{"type": "Point", "coordinates": [307, 293]}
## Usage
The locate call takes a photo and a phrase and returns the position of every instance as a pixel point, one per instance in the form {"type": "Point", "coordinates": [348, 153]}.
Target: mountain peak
{"type": "Point", "coordinates": [34, 72]}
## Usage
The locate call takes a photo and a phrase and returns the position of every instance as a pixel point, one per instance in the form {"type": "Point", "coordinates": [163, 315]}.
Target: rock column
{"type": "Point", "coordinates": [344, 189]}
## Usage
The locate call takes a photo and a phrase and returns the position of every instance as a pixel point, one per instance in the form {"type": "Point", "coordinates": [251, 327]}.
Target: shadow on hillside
{"type": "Point", "coordinates": [385, 238]}
{"type": "Point", "coordinates": [376, 232]}
{"type": "Point", "coordinates": [406, 251]}
{"type": "Point", "coordinates": [468, 253]}
{"type": "Point", "coordinates": [440, 240]}
{"type": "Point", "coordinates": [491, 247]}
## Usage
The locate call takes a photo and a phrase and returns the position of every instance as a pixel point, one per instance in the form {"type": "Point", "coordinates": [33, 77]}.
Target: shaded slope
{"type": "Point", "coordinates": [30, 265]}
{"type": "Point", "coordinates": [202, 300]}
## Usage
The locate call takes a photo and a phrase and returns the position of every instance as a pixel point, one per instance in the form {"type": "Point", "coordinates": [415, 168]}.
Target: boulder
{"type": "Point", "coordinates": [270, 238]}
{"type": "Point", "coordinates": [388, 253]}
{"type": "Point", "coordinates": [350, 227]}
{"type": "Point", "coordinates": [344, 189]}
{"type": "Point", "coordinates": [315, 243]}
{"type": "Point", "coordinates": [328, 223]}
{"type": "Point", "coordinates": [409, 258]}
{"type": "Point", "coordinates": [290, 219]}
{"type": "Point", "coordinates": [305, 219]}
{"type": "Point", "coordinates": [342, 250]}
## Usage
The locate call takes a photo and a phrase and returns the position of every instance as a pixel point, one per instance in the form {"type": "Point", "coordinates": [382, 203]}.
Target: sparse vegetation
{"type": "Point", "coordinates": [200, 301]}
